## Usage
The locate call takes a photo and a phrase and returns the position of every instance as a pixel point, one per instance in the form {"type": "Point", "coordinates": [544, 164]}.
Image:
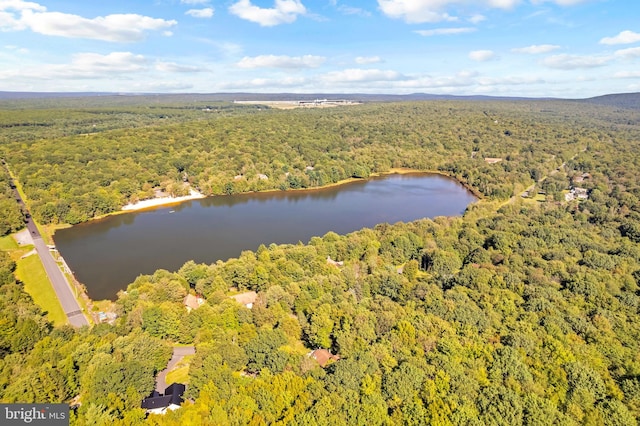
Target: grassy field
{"type": "Point", "coordinates": [8, 243]}
{"type": "Point", "coordinates": [31, 272]}
{"type": "Point", "coordinates": [180, 374]}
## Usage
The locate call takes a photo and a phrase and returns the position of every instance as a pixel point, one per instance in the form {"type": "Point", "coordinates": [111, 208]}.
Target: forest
{"type": "Point", "coordinates": [523, 311]}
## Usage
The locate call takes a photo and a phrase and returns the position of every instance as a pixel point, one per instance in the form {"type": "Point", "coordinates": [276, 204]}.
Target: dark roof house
{"type": "Point", "coordinates": [171, 400]}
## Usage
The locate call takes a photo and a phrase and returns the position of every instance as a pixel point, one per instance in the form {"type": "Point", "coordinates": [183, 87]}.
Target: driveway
{"type": "Point", "coordinates": [179, 352]}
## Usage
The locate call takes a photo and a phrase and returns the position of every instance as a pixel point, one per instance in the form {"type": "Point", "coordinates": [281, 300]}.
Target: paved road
{"type": "Point", "coordinates": [58, 280]}
{"type": "Point", "coordinates": [178, 353]}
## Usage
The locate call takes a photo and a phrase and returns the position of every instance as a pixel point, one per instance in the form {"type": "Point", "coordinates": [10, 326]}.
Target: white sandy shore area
{"type": "Point", "coordinates": [162, 201]}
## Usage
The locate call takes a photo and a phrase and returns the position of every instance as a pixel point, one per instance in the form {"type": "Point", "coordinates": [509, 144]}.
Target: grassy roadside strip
{"type": "Point", "coordinates": [31, 272]}
{"type": "Point", "coordinates": [34, 278]}
{"type": "Point", "coordinates": [85, 303]}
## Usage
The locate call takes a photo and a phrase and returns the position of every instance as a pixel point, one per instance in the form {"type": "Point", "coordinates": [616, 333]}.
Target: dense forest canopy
{"type": "Point", "coordinates": [79, 163]}
{"type": "Point", "coordinates": [525, 311]}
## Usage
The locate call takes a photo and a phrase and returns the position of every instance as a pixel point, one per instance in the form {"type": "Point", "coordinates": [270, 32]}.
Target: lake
{"type": "Point", "coordinates": [108, 254]}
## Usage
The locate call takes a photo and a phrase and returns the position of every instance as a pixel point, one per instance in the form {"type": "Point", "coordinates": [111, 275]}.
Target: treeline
{"type": "Point", "coordinates": [11, 216]}
{"type": "Point", "coordinates": [75, 178]}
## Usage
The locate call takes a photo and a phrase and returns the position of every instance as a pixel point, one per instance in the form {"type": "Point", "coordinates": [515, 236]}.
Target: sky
{"type": "Point", "coordinates": [532, 48]}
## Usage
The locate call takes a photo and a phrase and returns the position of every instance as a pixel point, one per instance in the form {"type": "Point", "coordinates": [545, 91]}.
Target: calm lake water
{"type": "Point", "coordinates": [108, 254]}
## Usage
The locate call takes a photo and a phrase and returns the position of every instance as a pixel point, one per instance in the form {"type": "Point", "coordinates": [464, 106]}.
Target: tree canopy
{"type": "Point", "coordinates": [524, 311]}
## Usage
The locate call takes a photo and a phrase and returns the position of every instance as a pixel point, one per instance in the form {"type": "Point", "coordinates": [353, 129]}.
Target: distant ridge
{"type": "Point", "coordinates": [620, 100]}
{"type": "Point", "coordinates": [245, 96]}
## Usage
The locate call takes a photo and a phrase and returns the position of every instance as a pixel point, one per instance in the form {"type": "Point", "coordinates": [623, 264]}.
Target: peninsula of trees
{"type": "Point", "coordinates": [524, 311]}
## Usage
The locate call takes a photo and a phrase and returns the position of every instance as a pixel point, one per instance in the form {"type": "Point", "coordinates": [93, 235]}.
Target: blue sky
{"type": "Point", "coordinates": [539, 48]}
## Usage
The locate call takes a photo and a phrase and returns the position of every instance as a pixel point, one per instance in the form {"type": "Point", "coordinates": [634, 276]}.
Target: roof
{"type": "Point", "coordinates": [172, 396]}
{"type": "Point", "coordinates": [247, 298]}
{"type": "Point", "coordinates": [323, 356]}
{"type": "Point", "coordinates": [161, 401]}
{"type": "Point", "coordinates": [175, 389]}
{"type": "Point", "coordinates": [193, 302]}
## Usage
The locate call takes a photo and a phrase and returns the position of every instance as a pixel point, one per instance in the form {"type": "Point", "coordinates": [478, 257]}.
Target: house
{"type": "Point", "coordinates": [171, 400]}
{"type": "Point", "coordinates": [193, 302]}
{"type": "Point", "coordinates": [247, 299]}
{"type": "Point", "coordinates": [581, 193]}
{"type": "Point", "coordinates": [491, 160]}
{"type": "Point", "coordinates": [263, 176]}
{"type": "Point", "coordinates": [323, 356]}
{"type": "Point", "coordinates": [577, 193]}
{"type": "Point", "coordinates": [582, 178]}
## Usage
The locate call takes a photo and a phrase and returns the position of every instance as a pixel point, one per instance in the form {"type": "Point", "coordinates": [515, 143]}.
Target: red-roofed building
{"type": "Point", "coordinates": [323, 356]}
{"type": "Point", "coordinates": [247, 299]}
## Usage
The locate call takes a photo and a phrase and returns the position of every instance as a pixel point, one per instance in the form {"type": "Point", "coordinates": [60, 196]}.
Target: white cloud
{"type": "Point", "coordinates": [194, 1]}
{"type": "Point", "coordinates": [625, 37]}
{"type": "Point", "coordinates": [482, 55]}
{"type": "Point", "coordinates": [173, 67]}
{"type": "Point", "coordinates": [83, 66]}
{"type": "Point", "coordinates": [21, 50]}
{"type": "Point", "coordinates": [368, 60]}
{"type": "Point", "coordinates": [117, 27]}
{"type": "Point", "coordinates": [261, 83]}
{"type": "Point", "coordinates": [571, 62]}
{"type": "Point", "coordinates": [361, 75]}
{"type": "Point", "coordinates": [273, 61]}
{"type": "Point", "coordinates": [19, 5]}
{"type": "Point", "coordinates": [445, 31]}
{"type": "Point", "coordinates": [536, 49]}
{"type": "Point", "coordinates": [632, 52]}
{"type": "Point", "coordinates": [476, 19]}
{"type": "Point", "coordinates": [283, 12]}
{"type": "Point", "coordinates": [415, 11]}
{"type": "Point", "coordinates": [562, 2]}
{"type": "Point", "coordinates": [207, 12]}
{"type": "Point", "coordinates": [113, 62]}
{"type": "Point", "coordinates": [349, 10]}
{"type": "Point", "coordinates": [461, 79]}
{"type": "Point", "coordinates": [509, 80]}
{"type": "Point", "coordinates": [418, 11]}
{"type": "Point", "coordinates": [627, 74]}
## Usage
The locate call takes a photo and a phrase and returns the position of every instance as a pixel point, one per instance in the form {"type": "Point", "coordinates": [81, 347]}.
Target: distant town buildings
{"type": "Point", "coordinates": [492, 160]}
{"type": "Point", "coordinates": [326, 102]}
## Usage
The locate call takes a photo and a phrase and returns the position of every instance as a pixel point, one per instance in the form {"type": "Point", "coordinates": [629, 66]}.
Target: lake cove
{"type": "Point", "coordinates": [108, 254]}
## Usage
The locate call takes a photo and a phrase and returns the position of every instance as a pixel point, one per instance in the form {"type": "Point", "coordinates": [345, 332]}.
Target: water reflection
{"type": "Point", "coordinates": [108, 254]}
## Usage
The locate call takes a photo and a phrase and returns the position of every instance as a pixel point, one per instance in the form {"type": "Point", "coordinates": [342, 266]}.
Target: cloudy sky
{"type": "Point", "coordinates": [539, 48]}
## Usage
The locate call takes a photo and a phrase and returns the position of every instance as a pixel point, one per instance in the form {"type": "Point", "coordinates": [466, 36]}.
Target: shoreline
{"type": "Point", "coordinates": [195, 195]}
{"type": "Point", "coordinates": [162, 201]}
